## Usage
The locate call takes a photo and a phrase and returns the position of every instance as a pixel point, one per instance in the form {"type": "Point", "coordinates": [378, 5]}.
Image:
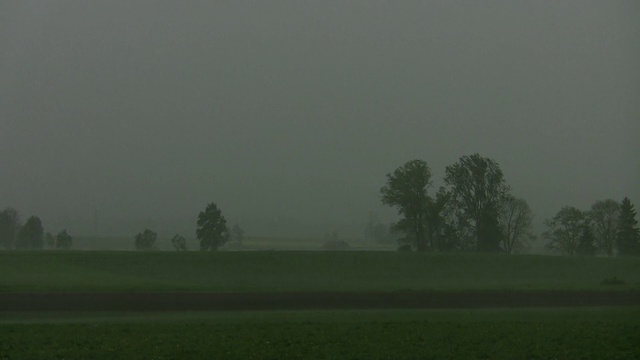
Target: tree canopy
{"type": "Point", "coordinates": [516, 218]}
{"type": "Point", "coordinates": [478, 190]}
{"type": "Point", "coordinates": [64, 241]}
{"type": "Point", "coordinates": [146, 240]}
{"type": "Point", "coordinates": [565, 229]}
{"type": "Point", "coordinates": [628, 234]}
{"type": "Point", "coordinates": [406, 190]}
{"type": "Point", "coordinates": [212, 228]}
{"type": "Point", "coordinates": [605, 216]}
{"type": "Point", "coordinates": [31, 234]}
{"type": "Point", "coordinates": [9, 227]}
{"type": "Point", "coordinates": [179, 242]}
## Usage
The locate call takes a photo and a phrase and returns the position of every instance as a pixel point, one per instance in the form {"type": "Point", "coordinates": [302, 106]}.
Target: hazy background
{"type": "Point", "coordinates": [288, 114]}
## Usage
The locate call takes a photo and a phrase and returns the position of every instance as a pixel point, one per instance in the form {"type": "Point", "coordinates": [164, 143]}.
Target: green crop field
{"type": "Point", "coordinates": [595, 333]}
{"type": "Point", "coordinates": [271, 271]}
{"type": "Point", "coordinates": [541, 333]}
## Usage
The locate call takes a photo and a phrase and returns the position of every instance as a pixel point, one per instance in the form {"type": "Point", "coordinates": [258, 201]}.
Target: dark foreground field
{"type": "Point", "coordinates": [556, 333]}
{"type": "Point", "coordinates": [124, 305]}
{"type": "Point", "coordinates": [24, 302]}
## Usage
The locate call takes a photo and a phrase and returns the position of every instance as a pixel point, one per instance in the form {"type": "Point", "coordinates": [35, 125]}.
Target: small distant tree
{"type": "Point", "coordinates": [31, 234]}
{"type": "Point", "coordinates": [237, 234]}
{"type": "Point", "coordinates": [605, 216]}
{"type": "Point", "coordinates": [179, 242]}
{"type": "Point", "coordinates": [50, 240]}
{"type": "Point", "coordinates": [628, 234]}
{"type": "Point", "coordinates": [9, 227]}
{"type": "Point", "coordinates": [515, 219]}
{"type": "Point", "coordinates": [565, 230]}
{"type": "Point", "coordinates": [212, 228]}
{"type": "Point", "coordinates": [146, 240]}
{"type": "Point", "coordinates": [63, 240]}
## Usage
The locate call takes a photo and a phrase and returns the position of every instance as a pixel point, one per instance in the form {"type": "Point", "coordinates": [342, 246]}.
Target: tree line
{"type": "Point", "coordinates": [30, 235]}
{"type": "Point", "coordinates": [608, 227]}
{"type": "Point", "coordinates": [211, 231]}
{"type": "Point", "coordinates": [476, 211]}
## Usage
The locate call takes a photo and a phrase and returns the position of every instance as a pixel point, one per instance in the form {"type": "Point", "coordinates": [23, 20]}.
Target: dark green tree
{"type": "Point", "coordinates": [212, 228]}
{"type": "Point", "coordinates": [515, 219]}
{"type": "Point", "coordinates": [436, 213]}
{"type": "Point", "coordinates": [565, 230]}
{"type": "Point", "coordinates": [628, 234]}
{"type": "Point", "coordinates": [406, 190]}
{"type": "Point", "coordinates": [605, 216]}
{"type": "Point", "coordinates": [64, 241]}
{"type": "Point", "coordinates": [587, 241]}
{"type": "Point", "coordinates": [179, 242]}
{"type": "Point", "coordinates": [478, 190]}
{"type": "Point", "coordinates": [9, 227]}
{"type": "Point", "coordinates": [146, 240]}
{"type": "Point", "coordinates": [31, 234]}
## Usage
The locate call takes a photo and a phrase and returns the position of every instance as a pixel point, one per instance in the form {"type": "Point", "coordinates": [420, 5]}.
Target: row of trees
{"type": "Point", "coordinates": [474, 211]}
{"type": "Point", "coordinates": [608, 227]}
{"type": "Point", "coordinates": [30, 235]}
{"type": "Point", "coordinates": [211, 231]}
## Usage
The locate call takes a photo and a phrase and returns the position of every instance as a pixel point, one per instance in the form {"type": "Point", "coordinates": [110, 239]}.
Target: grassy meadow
{"type": "Point", "coordinates": [272, 271]}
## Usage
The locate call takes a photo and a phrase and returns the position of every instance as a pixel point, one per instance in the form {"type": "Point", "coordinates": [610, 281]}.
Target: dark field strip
{"type": "Point", "coordinates": [18, 302]}
{"type": "Point", "coordinates": [366, 339]}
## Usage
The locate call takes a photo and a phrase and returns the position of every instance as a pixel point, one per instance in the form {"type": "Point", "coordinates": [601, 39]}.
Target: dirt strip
{"type": "Point", "coordinates": [19, 302]}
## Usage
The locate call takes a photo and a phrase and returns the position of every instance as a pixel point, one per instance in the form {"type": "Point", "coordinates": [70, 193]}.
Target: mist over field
{"type": "Point", "coordinates": [120, 115]}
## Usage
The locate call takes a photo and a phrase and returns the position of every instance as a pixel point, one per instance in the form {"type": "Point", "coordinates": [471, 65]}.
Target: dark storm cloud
{"type": "Point", "coordinates": [292, 112]}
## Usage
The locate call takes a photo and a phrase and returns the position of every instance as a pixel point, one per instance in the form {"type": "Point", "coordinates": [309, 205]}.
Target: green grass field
{"type": "Point", "coordinates": [597, 333]}
{"type": "Point", "coordinates": [552, 333]}
{"type": "Point", "coordinates": [271, 271]}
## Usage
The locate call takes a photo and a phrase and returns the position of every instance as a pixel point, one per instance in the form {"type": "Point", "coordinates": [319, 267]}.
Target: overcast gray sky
{"type": "Point", "coordinates": [288, 114]}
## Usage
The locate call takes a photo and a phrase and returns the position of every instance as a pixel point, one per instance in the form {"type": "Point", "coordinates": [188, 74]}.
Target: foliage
{"type": "Point", "coordinates": [605, 216]}
{"type": "Point", "coordinates": [406, 190]}
{"type": "Point", "coordinates": [478, 189]}
{"type": "Point", "coordinates": [146, 240]}
{"type": "Point", "coordinates": [9, 227]}
{"type": "Point", "coordinates": [63, 240]}
{"type": "Point", "coordinates": [515, 220]}
{"type": "Point", "coordinates": [179, 242]}
{"type": "Point", "coordinates": [461, 334]}
{"type": "Point", "coordinates": [212, 228]}
{"type": "Point", "coordinates": [628, 235]}
{"type": "Point", "coordinates": [587, 241]}
{"type": "Point", "coordinates": [565, 229]}
{"type": "Point", "coordinates": [437, 211]}
{"type": "Point", "coordinates": [31, 234]}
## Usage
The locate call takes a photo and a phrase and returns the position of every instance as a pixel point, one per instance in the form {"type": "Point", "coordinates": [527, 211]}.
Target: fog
{"type": "Point", "coordinates": [120, 115]}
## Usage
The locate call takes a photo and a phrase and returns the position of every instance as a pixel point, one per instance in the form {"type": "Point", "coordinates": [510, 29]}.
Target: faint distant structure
{"type": "Point", "coordinates": [95, 222]}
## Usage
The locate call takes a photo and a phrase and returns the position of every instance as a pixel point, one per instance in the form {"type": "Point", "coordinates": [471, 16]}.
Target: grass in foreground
{"type": "Point", "coordinates": [509, 334]}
